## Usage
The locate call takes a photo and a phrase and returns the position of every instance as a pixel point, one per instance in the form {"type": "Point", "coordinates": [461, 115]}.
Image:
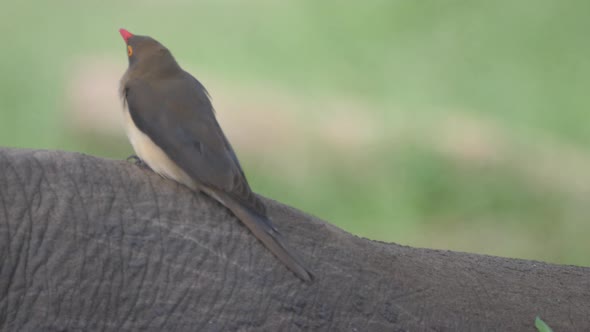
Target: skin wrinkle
{"type": "Point", "coordinates": [358, 298]}
{"type": "Point", "coordinates": [239, 235]}
{"type": "Point", "coordinates": [211, 306]}
{"type": "Point", "coordinates": [28, 255]}
{"type": "Point", "coordinates": [287, 325]}
{"type": "Point", "coordinates": [7, 254]}
{"type": "Point", "coordinates": [158, 214]}
{"type": "Point", "coordinates": [135, 300]}
{"type": "Point", "coordinates": [20, 251]}
{"type": "Point", "coordinates": [185, 300]}
{"type": "Point", "coordinates": [84, 256]}
{"type": "Point", "coordinates": [179, 307]}
{"type": "Point", "coordinates": [169, 264]}
{"type": "Point", "coordinates": [35, 295]}
{"type": "Point", "coordinates": [185, 296]}
{"type": "Point", "coordinates": [467, 277]}
{"type": "Point", "coordinates": [51, 211]}
{"type": "Point", "coordinates": [462, 283]}
{"type": "Point", "coordinates": [181, 235]}
{"type": "Point", "coordinates": [178, 233]}
{"type": "Point", "coordinates": [314, 300]}
{"type": "Point", "coordinates": [231, 294]}
{"type": "Point", "coordinates": [336, 299]}
{"type": "Point", "coordinates": [234, 318]}
{"type": "Point", "coordinates": [265, 294]}
{"type": "Point", "coordinates": [36, 193]}
{"type": "Point", "coordinates": [124, 316]}
{"type": "Point", "coordinates": [59, 304]}
{"type": "Point", "coordinates": [287, 229]}
{"type": "Point", "coordinates": [104, 304]}
{"type": "Point", "coordinates": [112, 198]}
{"type": "Point", "coordinates": [163, 250]}
{"type": "Point", "coordinates": [412, 270]}
{"type": "Point", "coordinates": [144, 271]}
{"type": "Point", "coordinates": [160, 294]}
{"type": "Point", "coordinates": [78, 322]}
{"type": "Point", "coordinates": [407, 312]}
{"type": "Point", "coordinates": [487, 298]}
{"type": "Point", "coordinates": [580, 310]}
{"type": "Point", "coordinates": [410, 294]}
{"type": "Point", "coordinates": [411, 315]}
{"type": "Point", "coordinates": [206, 254]}
{"type": "Point", "coordinates": [351, 297]}
{"type": "Point", "coordinates": [230, 228]}
{"type": "Point", "coordinates": [225, 271]}
{"type": "Point", "coordinates": [301, 305]}
{"type": "Point", "coordinates": [142, 283]}
{"type": "Point", "coordinates": [129, 203]}
{"type": "Point", "coordinates": [512, 316]}
{"type": "Point", "coordinates": [54, 297]}
{"type": "Point", "coordinates": [327, 320]}
{"type": "Point", "coordinates": [375, 311]}
{"type": "Point", "coordinates": [260, 291]}
{"type": "Point", "coordinates": [51, 207]}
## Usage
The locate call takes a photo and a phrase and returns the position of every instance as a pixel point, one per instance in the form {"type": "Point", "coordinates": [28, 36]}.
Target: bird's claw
{"type": "Point", "coordinates": [137, 161]}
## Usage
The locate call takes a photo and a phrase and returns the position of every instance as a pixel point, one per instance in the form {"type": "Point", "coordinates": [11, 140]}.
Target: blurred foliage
{"type": "Point", "coordinates": [521, 67]}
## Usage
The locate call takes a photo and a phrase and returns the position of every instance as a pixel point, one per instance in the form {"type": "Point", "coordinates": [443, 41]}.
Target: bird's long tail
{"type": "Point", "coordinates": [261, 228]}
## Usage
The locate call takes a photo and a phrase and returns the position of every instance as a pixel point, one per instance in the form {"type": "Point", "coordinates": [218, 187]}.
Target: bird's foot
{"type": "Point", "coordinates": [137, 161]}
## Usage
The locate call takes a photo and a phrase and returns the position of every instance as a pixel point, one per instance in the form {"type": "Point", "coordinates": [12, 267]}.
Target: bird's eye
{"type": "Point", "coordinates": [129, 50]}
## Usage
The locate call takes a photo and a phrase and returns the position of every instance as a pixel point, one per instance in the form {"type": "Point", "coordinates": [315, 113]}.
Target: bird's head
{"type": "Point", "coordinates": [147, 54]}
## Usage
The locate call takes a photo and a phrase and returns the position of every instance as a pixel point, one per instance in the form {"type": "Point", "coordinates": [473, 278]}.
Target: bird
{"type": "Point", "coordinates": [170, 121]}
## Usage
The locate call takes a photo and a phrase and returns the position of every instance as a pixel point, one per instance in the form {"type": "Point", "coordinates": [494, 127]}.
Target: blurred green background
{"type": "Point", "coordinates": [459, 125]}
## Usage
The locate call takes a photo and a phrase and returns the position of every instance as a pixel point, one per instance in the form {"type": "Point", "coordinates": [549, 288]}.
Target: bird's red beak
{"type": "Point", "coordinates": [125, 34]}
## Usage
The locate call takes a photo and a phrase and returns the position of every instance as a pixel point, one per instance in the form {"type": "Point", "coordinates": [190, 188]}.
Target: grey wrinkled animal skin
{"type": "Point", "coordinates": [89, 244]}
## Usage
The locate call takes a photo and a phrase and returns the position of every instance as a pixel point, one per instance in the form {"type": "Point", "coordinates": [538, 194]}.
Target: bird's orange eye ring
{"type": "Point", "coordinates": [129, 50]}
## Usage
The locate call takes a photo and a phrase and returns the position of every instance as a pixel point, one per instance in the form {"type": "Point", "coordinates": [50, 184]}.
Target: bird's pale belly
{"type": "Point", "coordinates": [153, 155]}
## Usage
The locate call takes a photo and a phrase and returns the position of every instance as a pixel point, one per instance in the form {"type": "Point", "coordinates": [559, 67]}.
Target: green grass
{"type": "Point", "coordinates": [521, 64]}
{"type": "Point", "coordinates": [542, 326]}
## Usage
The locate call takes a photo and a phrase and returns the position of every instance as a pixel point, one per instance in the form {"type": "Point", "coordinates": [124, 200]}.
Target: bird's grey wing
{"type": "Point", "coordinates": [181, 122]}
{"type": "Point", "coordinates": [241, 189]}
{"type": "Point", "coordinates": [179, 118]}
